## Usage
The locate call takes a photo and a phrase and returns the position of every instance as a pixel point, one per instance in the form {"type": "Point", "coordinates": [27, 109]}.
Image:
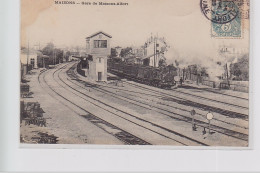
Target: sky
{"type": "Point", "coordinates": [181, 22]}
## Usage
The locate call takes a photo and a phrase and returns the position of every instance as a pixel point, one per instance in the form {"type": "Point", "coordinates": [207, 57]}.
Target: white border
{"type": "Point", "coordinates": [14, 158]}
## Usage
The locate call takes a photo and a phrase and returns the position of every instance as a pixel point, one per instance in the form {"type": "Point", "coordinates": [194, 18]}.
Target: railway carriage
{"type": "Point", "coordinates": [158, 77]}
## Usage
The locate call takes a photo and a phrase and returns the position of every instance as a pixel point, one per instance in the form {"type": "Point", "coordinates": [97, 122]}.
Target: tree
{"type": "Point", "coordinates": [56, 55]}
{"type": "Point", "coordinates": [204, 72]}
{"type": "Point", "coordinates": [240, 69]}
{"type": "Point", "coordinates": [193, 69]}
{"type": "Point", "coordinates": [67, 55]}
{"type": "Point", "coordinates": [48, 49]}
{"type": "Point", "coordinates": [125, 51]}
{"type": "Point", "coordinates": [235, 69]}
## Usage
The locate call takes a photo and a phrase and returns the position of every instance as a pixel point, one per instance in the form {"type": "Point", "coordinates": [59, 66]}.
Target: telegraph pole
{"type": "Point", "coordinates": [156, 56]}
{"type": "Point", "coordinates": [27, 64]}
{"type": "Point", "coordinates": [227, 71]}
{"type": "Point", "coordinates": [53, 55]}
{"type": "Point", "coordinates": [154, 51]}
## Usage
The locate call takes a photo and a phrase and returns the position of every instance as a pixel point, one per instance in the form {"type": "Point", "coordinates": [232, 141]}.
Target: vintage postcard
{"type": "Point", "coordinates": [135, 72]}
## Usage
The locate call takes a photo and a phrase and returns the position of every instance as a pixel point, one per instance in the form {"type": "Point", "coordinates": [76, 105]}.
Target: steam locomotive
{"type": "Point", "coordinates": [162, 77]}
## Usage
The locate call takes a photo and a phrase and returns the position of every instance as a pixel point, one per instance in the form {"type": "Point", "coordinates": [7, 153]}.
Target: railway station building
{"type": "Point", "coordinates": [98, 48]}
{"type": "Point", "coordinates": [30, 57]}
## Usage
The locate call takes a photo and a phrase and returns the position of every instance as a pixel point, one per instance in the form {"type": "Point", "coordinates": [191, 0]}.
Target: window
{"type": "Point", "coordinates": [100, 43]}
{"type": "Point", "coordinates": [32, 61]}
{"type": "Point", "coordinates": [99, 60]}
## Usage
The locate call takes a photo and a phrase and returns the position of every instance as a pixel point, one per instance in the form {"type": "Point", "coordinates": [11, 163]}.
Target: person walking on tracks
{"type": "Point", "coordinates": [181, 81]}
{"type": "Point", "coordinates": [193, 112]}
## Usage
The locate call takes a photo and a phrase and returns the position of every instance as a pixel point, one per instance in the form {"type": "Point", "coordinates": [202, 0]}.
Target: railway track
{"type": "Point", "coordinates": [219, 92]}
{"type": "Point", "coordinates": [208, 90]}
{"type": "Point", "coordinates": [127, 135]}
{"type": "Point", "coordinates": [74, 77]}
{"type": "Point", "coordinates": [201, 106]}
{"type": "Point", "coordinates": [200, 97]}
{"type": "Point", "coordinates": [123, 136]}
{"type": "Point", "coordinates": [129, 114]}
{"type": "Point", "coordinates": [177, 108]}
{"type": "Point", "coordinates": [212, 100]}
{"type": "Point", "coordinates": [197, 105]}
{"type": "Point", "coordinates": [217, 129]}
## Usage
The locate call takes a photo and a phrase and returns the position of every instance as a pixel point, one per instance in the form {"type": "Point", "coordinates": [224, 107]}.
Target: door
{"type": "Point", "coordinates": [99, 76]}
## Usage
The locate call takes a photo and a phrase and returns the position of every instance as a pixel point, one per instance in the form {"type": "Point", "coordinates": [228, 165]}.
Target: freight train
{"type": "Point", "coordinates": [159, 77]}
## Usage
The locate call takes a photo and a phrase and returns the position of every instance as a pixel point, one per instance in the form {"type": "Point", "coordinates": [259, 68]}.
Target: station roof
{"type": "Point", "coordinates": [100, 32]}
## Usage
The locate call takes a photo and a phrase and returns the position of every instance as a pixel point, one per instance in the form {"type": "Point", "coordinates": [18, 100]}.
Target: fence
{"type": "Point", "coordinates": [241, 86]}
{"type": "Point", "coordinates": [209, 83]}
{"type": "Point", "coordinates": [235, 87]}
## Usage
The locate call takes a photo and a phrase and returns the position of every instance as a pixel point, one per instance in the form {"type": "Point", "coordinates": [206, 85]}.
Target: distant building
{"type": "Point", "coordinates": [232, 52]}
{"type": "Point", "coordinates": [30, 56]}
{"type": "Point", "coordinates": [98, 48]}
{"type": "Point", "coordinates": [118, 51]}
{"type": "Point", "coordinates": [136, 50]}
{"type": "Point", "coordinates": [154, 49]}
{"type": "Point", "coordinates": [132, 58]}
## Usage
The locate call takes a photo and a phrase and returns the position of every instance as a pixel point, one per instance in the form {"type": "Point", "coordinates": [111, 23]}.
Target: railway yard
{"type": "Point", "coordinates": [124, 112]}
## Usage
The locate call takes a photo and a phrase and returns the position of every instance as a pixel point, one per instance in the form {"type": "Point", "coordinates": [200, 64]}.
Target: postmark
{"type": "Point", "coordinates": [226, 17]}
{"type": "Point", "coordinates": [219, 11]}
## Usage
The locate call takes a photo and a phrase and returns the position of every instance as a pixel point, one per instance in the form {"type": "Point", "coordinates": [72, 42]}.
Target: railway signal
{"type": "Point", "coordinates": [193, 112]}
{"type": "Point", "coordinates": [209, 117]}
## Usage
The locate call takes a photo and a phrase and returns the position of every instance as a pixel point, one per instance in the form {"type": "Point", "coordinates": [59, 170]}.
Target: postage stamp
{"type": "Point", "coordinates": [232, 29]}
{"type": "Point", "coordinates": [226, 17]}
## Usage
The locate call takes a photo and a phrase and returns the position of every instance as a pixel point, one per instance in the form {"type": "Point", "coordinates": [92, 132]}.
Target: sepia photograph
{"type": "Point", "coordinates": [135, 72]}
